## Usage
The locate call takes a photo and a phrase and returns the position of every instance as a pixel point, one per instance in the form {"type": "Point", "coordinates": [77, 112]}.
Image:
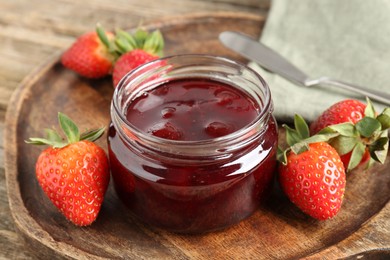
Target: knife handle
{"type": "Point", "coordinates": [372, 94]}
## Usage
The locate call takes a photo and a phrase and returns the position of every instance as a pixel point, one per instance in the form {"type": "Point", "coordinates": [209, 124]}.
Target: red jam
{"type": "Point", "coordinates": [192, 110]}
{"type": "Point", "coordinates": [205, 175]}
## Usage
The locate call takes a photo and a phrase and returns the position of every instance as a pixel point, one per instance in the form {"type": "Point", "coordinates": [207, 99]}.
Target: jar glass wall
{"type": "Point", "coordinates": [192, 186]}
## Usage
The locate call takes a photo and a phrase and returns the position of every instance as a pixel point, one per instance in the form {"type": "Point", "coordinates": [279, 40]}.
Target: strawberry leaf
{"type": "Point", "coordinates": [321, 137]}
{"type": "Point", "coordinates": [128, 37]}
{"type": "Point", "coordinates": [370, 110]}
{"type": "Point", "coordinates": [44, 141]}
{"type": "Point", "coordinates": [71, 131]}
{"type": "Point", "coordinates": [69, 127]}
{"type": "Point", "coordinates": [292, 136]}
{"type": "Point", "coordinates": [378, 149]}
{"type": "Point", "coordinates": [303, 145]}
{"type": "Point", "coordinates": [108, 43]}
{"type": "Point", "coordinates": [122, 45]}
{"type": "Point", "coordinates": [301, 127]}
{"type": "Point", "coordinates": [140, 37]}
{"type": "Point", "coordinates": [370, 163]}
{"type": "Point", "coordinates": [125, 42]}
{"type": "Point", "coordinates": [160, 43]}
{"type": "Point", "coordinates": [281, 155]}
{"type": "Point", "coordinates": [102, 36]}
{"type": "Point", "coordinates": [356, 156]}
{"type": "Point", "coordinates": [92, 135]}
{"type": "Point", "coordinates": [53, 136]}
{"type": "Point", "coordinates": [38, 141]}
{"type": "Point", "coordinates": [367, 126]}
{"type": "Point", "coordinates": [345, 129]}
{"type": "Point", "coordinates": [344, 144]}
{"type": "Point", "coordinates": [154, 43]}
{"type": "Point", "coordinates": [52, 139]}
{"type": "Point", "coordinates": [300, 147]}
{"type": "Point", "coordinates": [384, 118]}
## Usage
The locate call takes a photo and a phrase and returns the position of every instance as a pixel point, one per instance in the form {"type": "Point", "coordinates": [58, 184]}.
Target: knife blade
{"type": "Point", "coordinates": [274, 62]}
{"type": "Point", "coordinates": [263, 55]}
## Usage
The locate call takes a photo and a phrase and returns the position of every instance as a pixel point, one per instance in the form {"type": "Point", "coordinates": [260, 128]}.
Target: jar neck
{"type": "Point", "coordinates": [153, 74]}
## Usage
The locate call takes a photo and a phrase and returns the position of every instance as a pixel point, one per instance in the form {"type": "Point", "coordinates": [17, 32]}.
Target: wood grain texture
{"type": "Point", "coordinates": [31, 31]}
{"type": "Point", "coordinates": [277, 230]}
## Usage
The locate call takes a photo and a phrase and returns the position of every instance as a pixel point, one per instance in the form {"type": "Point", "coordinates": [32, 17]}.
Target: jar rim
{"type": "Point", "coordinates": [264, 111]}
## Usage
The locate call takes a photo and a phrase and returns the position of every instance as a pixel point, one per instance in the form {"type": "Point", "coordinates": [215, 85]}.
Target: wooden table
{"type": "Point", "coordinates": [32, 31]}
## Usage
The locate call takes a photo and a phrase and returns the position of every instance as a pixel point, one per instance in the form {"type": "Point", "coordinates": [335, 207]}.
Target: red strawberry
{"type": "Point", "coordinates": [136, 49]}
{"type": "Point", "coordinates": [94, 54]}
{"type": "Point", "coordinates": [73, 174]}
{"type": "Point", "coordinates": [363, 133]}
{"type": "Point", "coordinates": [346, 158]}
{"type": "Point", "coordinates": [344, 111]}
{"type": "Point", "coordinates": [128, 62]}
{"type": "Point", "coordinates": [311, 174]}
{"type": "Point", "coordinates": [314, 180]}
{"type": "Point", "coordinates": [349, 110]}
{"type": "Point", "coordinates": [90, 56]}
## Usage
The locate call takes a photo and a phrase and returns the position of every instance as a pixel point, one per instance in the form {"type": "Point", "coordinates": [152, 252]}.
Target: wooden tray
{"type": "Point", "coordinates": [277, 230]}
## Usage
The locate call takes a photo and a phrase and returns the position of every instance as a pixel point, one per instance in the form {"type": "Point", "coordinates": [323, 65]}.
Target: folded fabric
{"type": "Point", "coordinates": [345, 40]}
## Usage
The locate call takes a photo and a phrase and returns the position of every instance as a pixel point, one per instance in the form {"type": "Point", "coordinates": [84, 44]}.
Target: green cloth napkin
{"type": "Point", "coordinates": [345, 40]}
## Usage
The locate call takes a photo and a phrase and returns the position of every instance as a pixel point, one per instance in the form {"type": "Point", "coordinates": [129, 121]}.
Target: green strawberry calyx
{"type": "Point", "coordinates": [370, 132]}
{"type": "Point", "coordinates": [298, 138]}
{"type": "Point", "coordinates": [152, 43]}
{"type": "Point", "coordinates": [71, 131]}
{"type": "Point", "coordinates": [123, 42]}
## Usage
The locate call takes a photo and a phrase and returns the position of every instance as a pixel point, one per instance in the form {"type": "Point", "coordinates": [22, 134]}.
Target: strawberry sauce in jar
{"type": "Point", "coordinates": [192, 143]}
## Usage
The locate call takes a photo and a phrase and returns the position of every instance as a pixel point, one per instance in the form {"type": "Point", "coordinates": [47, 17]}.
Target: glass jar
{"type": "Point", "coordinates": [192, 186]}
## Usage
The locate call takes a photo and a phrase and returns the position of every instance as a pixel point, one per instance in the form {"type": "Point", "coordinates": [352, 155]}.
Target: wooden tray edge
{"type": "Point", "coordinates": [28, 228]}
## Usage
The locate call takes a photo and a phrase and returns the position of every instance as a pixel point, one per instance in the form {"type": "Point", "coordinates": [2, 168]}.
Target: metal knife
{"type": "Point", "coordinates": [267, 58]}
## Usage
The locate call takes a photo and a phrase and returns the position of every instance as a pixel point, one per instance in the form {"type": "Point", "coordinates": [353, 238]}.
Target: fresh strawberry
{"type": "Point", "coordinates": [130, 61]}
{"type": "Point", "coordinates": [94, 54]}
{"type": "Point", "coordinates": [90, 56]}
{"type": "Point", "coordinates": [311, 173]}
{"type": "Point", "coordinates": [346, 158]}
{"type": "Point", "coordinates": [137, 49]}
{"type": "Point", "coordinates": [74, 174]}
{"type": "Point", "coordinates": [348, 110]}
{"type": "Point", "coordinates": [314, 180]}
{"type": "Point", "coordinates": [363, 133]}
